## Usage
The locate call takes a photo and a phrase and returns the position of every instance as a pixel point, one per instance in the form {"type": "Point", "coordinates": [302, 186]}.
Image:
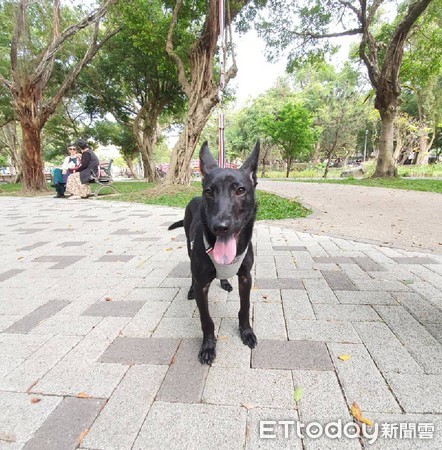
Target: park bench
{"type": "Point", "coordinates": [104, 178]}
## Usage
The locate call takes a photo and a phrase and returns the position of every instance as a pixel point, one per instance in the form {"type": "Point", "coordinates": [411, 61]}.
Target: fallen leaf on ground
{"type": "Point", "coordinates": [83, 395]}
{"type": "Point", "coordinates": [172, 360]}
{"type": "Point", "coordinates": [297, 394]}
{"type": "Point", "coordinates": [168, 249]}
{"type": "Point", "coordinates": [357, 414]}
{"type": "Point", "coordinates": [344, 357]}
{"type": "Point", "coordinates": [35, 400]}
{"type": "Point", "coordinates": [109, 251]}
{"type": "Point", "coordinates": [108, 299]}
{"type": "Point", "coordinates": [223, 338]}
{"type": "Point", "coordinates": [82, 436]}
{"type": "Point", "coordinates": [31, 386]}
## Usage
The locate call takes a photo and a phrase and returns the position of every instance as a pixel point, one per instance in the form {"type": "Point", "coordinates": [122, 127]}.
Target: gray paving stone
{"type": "Point", "coordinates": [184, 381]}
{"type": "Point", "coordinates": [361, 380]}
{"type": "Point", "coordinates": [365, 297]}
{"type": "Point", "coordinates": [353, 313]}
{"type": "Point", "coordinates": [429, 357]}
{"type": "Point", "coordinates": [290, 248]}
{"type": "Point", "coordinates": [231, 386]}
{"type": "Point", "coordinates": [295, 355]}
{"type": "Point", "coordinates": [380, 285]}
{"type": "Point", "coordinates": [332, 259]}
{"type": "Point", "coordinates": [15, 348]}
{"type": "Point", "coordinates": [338, 281]}
{"type": "Point", "coordinates": [405, 326]}
{"type": "Point", "coordinates": [435, 330]}
{"type": "Point", "coordinates": [432, 294]}
{"type": "Point", "coordinates": [38, 363]}
{"type": "Point", "coordinates": [368, 265]}
{"type": "Point", "coordinates": [268, 321]}
{"type": "Point", "coordinates": [119, 422]}
{"type": "Point", "coordinates": [9, 274]}
{"type": "Point", "coordinates": [415, 260]}
{"type": "Point", "coordinates": [20, 419]}
{"type": "Point", "coordinates": [181, 270]}
{"type": "Point", "coordinates": [127, 232]}
{"type": "Point", "coordinates": [178, 426]}
{"type": "Point", "coordinates": [282, 439]}
{"type": "Point", "coordinates": [31, 320]}
{"type": "Point", "coordinates": [115, 258]}
{"type": "Point", "coordinates": [387, 351]}
{"type": "Point", "coordinates": [322, 331]}
{"type": "Point", "coordinates": [417, 393]}
{"type": "Point", "coordinates": [180, 328]}
{"type": "Point", "coordinates": [319, 291]}
{"type": "Point", "coordinates": [34, 246]}
{"type": "Point", "coordinates": [113, 309]}
{"type": "Point", "coordinates": [72, 244]}
{"type": "Point", "coordinates": [420, 308]}
{"type": "Point", "coordinates": [64, 427]}
{"type": "Point", "coordinates": [322, 399]}
{"type": "Point", "coordinates": [62, 261]}
{"type": "Point", "coordinates": [279, 283]}
{"type": "Point", "coordinates": [296, 305]}
{"type": "Point", "coordinates": [94, 379]}
{"type": "Point", "coordinates": [166, 294]}
{"type": "Point", "coordinates": [264, 295]}
{"type": "Point", "coordinates": [129, 350]}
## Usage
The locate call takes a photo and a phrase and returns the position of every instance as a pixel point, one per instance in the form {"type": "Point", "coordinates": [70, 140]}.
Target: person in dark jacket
{"type": "Point", "coordinates": [78, 182]}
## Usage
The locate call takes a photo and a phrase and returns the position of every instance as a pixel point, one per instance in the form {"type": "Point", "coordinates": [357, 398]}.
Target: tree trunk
{"type": "Point", "coordinates": [130, 164]}
{"type": "Point", "coordinates": [385, 166]}
{"type": "Point", "coordinates": [179, 170]}
{"type": "Point", "coordinates": [422, 157]}
{"type": "Point", "coordinates": [316, 153]}
{"type": "Point", "coordinates": [289, 166]}
{"type": "Point", "coordinates": [327, 167]}
{"type": "Point", "coordinates": [33, 168]}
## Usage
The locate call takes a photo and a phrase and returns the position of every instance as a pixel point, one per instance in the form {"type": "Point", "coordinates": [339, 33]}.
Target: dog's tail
{"type": "Point", "coordinates": [178, 224]}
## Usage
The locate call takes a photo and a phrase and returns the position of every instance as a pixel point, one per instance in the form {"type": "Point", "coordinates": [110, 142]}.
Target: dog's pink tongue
{"type": "Point", "coordinates": [224, 251]}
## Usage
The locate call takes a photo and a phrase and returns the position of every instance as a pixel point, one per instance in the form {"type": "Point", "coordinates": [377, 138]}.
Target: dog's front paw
{"type": "Point", "coordinates": [248, 337]}
{"type": "Point", "coordinates": [226, 285]}
{"type": "Point", "coordinates": [207, 352]}
{"type": "Point", "coordinates": [191, 294]}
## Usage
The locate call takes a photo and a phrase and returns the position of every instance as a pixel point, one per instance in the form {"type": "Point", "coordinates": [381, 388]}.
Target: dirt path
{"type": "Point", "coordinates": [392, 217]}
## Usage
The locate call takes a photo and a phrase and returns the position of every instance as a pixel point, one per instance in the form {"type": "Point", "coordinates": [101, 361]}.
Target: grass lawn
{"type": "Point", "coordinates": [270, 206]}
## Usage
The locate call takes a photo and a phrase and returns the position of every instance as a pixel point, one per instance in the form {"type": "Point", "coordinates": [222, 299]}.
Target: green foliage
{"type": "Point", "coordinates": [290, 127]}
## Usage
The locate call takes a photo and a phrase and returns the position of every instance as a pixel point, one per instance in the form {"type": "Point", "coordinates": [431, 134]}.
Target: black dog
{"type": "Point", "coordinates": [219, 228]}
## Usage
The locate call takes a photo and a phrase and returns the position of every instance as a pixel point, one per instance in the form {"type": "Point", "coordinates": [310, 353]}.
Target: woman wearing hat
{"type": "Point", "coordinates": [60, 176]}
{"type": "Point", "coordinates": [78, 182]}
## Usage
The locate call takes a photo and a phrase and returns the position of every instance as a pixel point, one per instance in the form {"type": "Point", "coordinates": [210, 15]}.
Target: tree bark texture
{"type": "Point", "coordinates": [199, 87]}
{"type": "Point", "coordinates": [28, 88]}
{"type": "Point", "coordinates": [385, 165]}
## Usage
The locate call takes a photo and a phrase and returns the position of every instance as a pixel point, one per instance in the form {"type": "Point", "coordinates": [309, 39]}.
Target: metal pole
{"type": "Point", "coordinates": [222, 67]}
{"type": "Point", "coordinates": [365, 145]}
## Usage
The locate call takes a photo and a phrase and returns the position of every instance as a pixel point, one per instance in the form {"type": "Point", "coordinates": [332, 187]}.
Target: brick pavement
{"type": "Point", "coordinates": [98, 343]}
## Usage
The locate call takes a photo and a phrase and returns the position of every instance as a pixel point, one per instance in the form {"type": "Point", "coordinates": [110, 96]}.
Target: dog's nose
{"type": "Point", "coordinates": [221, 228]}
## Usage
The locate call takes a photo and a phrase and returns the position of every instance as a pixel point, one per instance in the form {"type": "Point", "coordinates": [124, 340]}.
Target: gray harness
{"type": "Point", "coordinates": [225, 271]}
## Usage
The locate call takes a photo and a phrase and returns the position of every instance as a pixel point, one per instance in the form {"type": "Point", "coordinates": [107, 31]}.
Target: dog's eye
{"type": "Point", "coordinates": [240, 190]}
{"type": "Point", "coordinates": [208, 193]}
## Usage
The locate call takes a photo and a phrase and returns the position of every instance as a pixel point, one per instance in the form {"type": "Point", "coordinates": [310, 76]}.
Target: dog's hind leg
{"type": "Point", "coordinates": [207, 351]}
{"type": "Point", "coordinates": [247, 335]}
{"type": "Point", "coordinates": [191, 293]}
{"type": "Point", "coordinates": [226, 285]}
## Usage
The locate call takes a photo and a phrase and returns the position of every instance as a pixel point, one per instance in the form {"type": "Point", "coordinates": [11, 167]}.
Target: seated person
{"type": "Point", "coordinates": [60, 176]}
{"type": "Point", "coordinates": [78, 182]}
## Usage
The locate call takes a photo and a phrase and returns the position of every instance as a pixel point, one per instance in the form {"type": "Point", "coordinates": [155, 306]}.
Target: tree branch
{"type": "Point", "coordinates": [328, 35]}
{"type": "Point", "coordinates": [395, 51]}
{"type": "Point", "coordinates": [55, 45]}
{"type": "Point", "coordinates": [19, 26]}
{"type": "Point", "coordinates": [173, 55]}
{"type": "Point", "coordinates": [52, 104]}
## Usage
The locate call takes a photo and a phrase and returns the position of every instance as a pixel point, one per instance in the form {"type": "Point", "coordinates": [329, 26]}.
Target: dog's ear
{"type": "Point", "coordinates": [250, 165]}
{"type": "Point", "coordinates": [207, 161]}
